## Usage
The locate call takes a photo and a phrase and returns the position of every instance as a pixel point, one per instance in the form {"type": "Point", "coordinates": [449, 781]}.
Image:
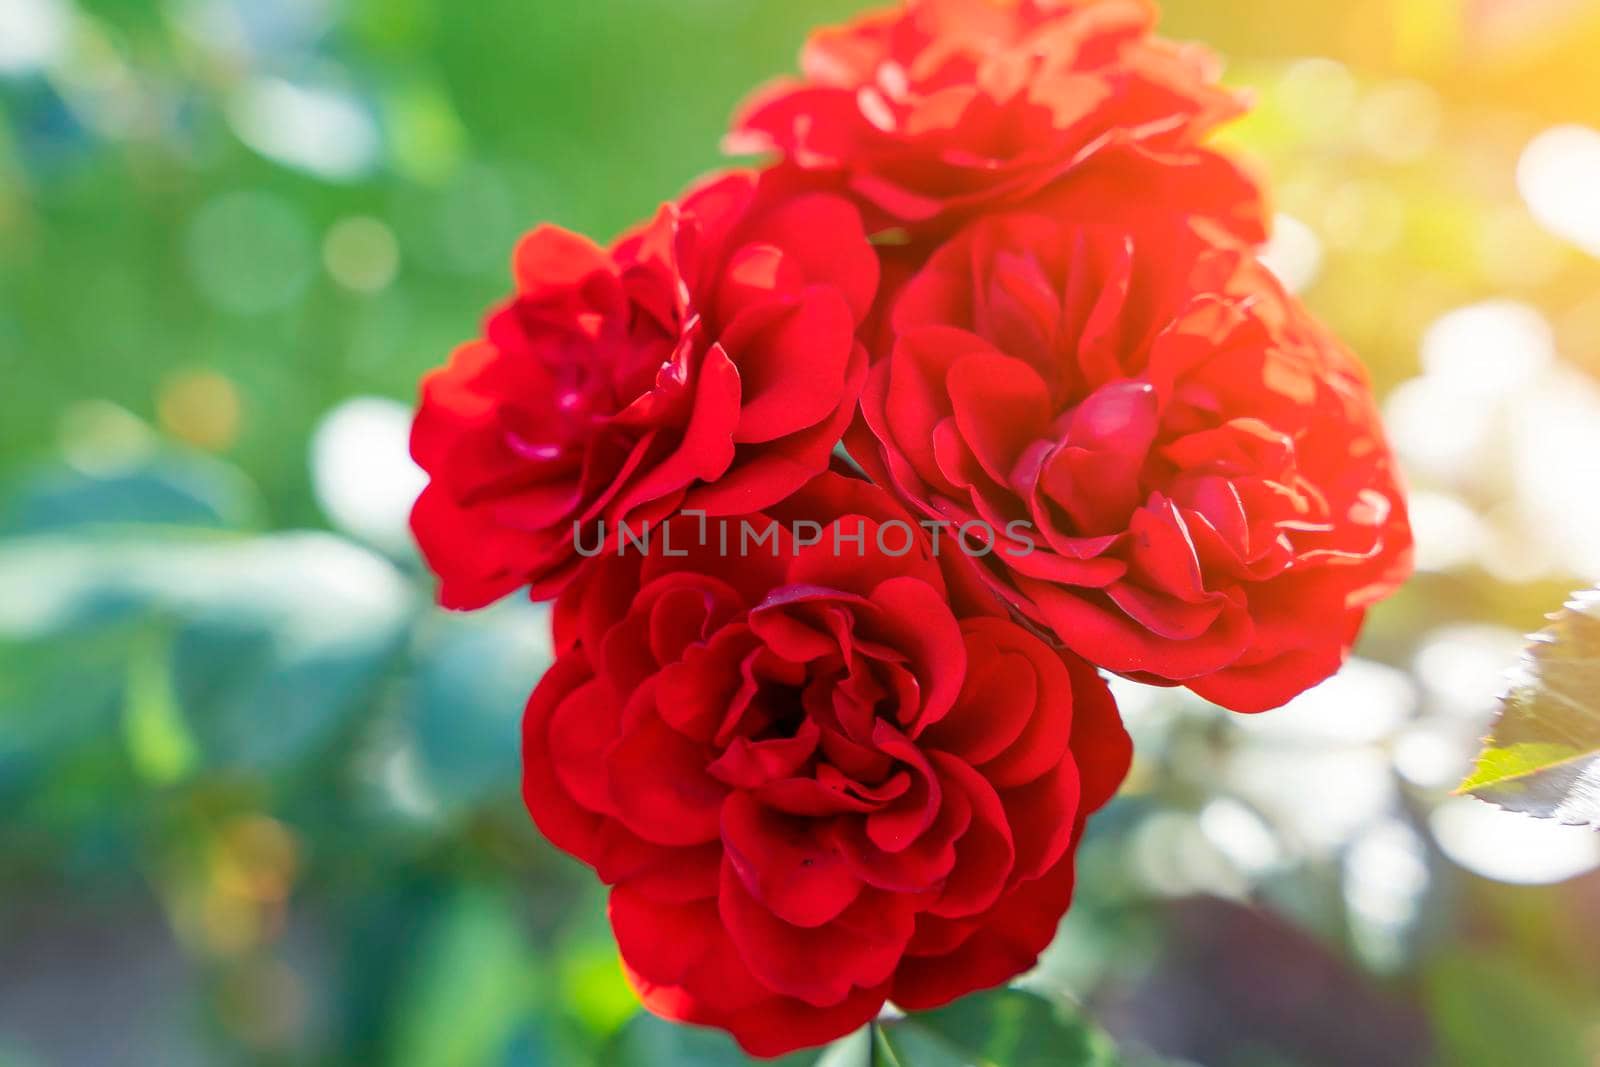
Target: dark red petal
{"type": "Point", "coordinates": [787, 863]}
{"type": "Point", "coordinates": [902, 822]}
{"type": "Point", "coordinates": [579, 735]}
{"type": "Point", "coordinates": [1264, 686]}
{"type": "Point", "coordinates": [671, 875]}
{"type": "Point", "coordinates": [477, 562]}
{"type": "Point", "coordinates": [1001, 406]}
{"type": "Point", "coordinates": [997, 700]}
{"type": "Point", "coordinates": [680, 959]}
{"type": "Point", "coordinates": [1042, 815]}
{"type": "Point", "coordinates": [1103, 633]}
{"type": "Point", "coordinates": [696, 694]}
{"type": "Point", "coordinates": [792, 359]}
{"type": "Point", "coordinates": [767, 475]}
{"type": "Point", "coordinates": [782, 1024]}
{"type": "Point", "coordinates": [706, 448]}
{"type": "Point", "coordinates": [921, 867]}
{"type": "Point", "coordinates": [915, 619]}
{"type": "Point", "coordinates": [1100, 744]}
{"type": "Point", "coordinates": [823, 237]}
{"type": "Point", "coordinates": [984, 852]}
{"type": "Point", "coordinates": [751, 765]}
{"type": "Point", "coordinates": [824, 965]}
{"type": "Point", "coordinates": [567, 823]}
{"type": "Point", "coordinates": [1007, 943]}
{"type": "Point", "coordinates": [659, 782]}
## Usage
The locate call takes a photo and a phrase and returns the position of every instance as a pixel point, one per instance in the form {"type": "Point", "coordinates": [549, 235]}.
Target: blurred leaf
{"type": "Point", "coordinates": [275, 640]}
{"type": "Point", "coordinates": [470, 987]}
{"type": "Point", "coordinates": [651, 1042]}
{"type": "Point", "coordinates": [1543, 757]}
{"type": "Point", "coordinates": [54, 696]}
{"type": "Point", "coordinates": [594, 988]}
{"type": "Point", "coordinates": [429, 142]}
{"type": "Point", "coordinates": [1000, 1028]}
{"type": "Point", "coordinates": [1490, 1010]}
{"type": "Point", "coordinates": [473, 680]}
{"type": "Point", "coordinates": [648, 1041]}
{"type": "Point", "coordinates": [853, 1050]}
{"type": "Point", "coordinates": [169, 490]}
{"type": "Point", "coordinates": [159, 741]}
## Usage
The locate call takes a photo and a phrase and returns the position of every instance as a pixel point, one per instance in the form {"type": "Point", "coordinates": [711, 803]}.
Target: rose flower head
{"type": "Point", "coordinates": [1204, 490]}
{"type": "Point", "coordinates": [708, 360]}
{"type": "Point", "coordinates": [813, 781]}
{"type": "Point", "coordinates": [937, 109]}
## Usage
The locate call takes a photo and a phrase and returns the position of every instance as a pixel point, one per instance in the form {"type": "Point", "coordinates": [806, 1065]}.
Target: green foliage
{"type": "Point", "coordinates": [1001, 1028]}
{"type": "Point", "coordinates": [273, 640]}
{"type": "Point", "coordinates": [1492, 1011]}
{"type": "Point", "coordinates": [466, 700]}
{"type": "Point", "coordinates": [1542, 757]}
{"type": "Point", "coordinates": [998, 1028]}
{"type": "Point", "coordinates": [470, 989]}
{"type": "Point", "coordinates": [169, 490]}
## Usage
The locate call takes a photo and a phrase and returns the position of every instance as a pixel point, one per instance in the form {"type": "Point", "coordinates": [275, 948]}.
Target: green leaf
{"type": "Point", "coordinates": [1543, 757]}
{"type": "Point", "coordinates": [163, 490]}
{"type": "Point", "coordinates": [274, 641]}
{"type": "Point", "coordinates": [651, 1042]}
{"type": "Point", "coordinates": [473, 983]}
{"type": "Point", "coordinates": [159, 742]}
{"type": "Point", "coordinates": [593, 987]}
{"type": "Point", "coordinates": [56, 697]}
{"type": "Point", "coordinates": [854, 1050]}
{"type": "Point", "coordinates": [1000, 1028]}
{"type": "Point", "coordinates": [473, 677]}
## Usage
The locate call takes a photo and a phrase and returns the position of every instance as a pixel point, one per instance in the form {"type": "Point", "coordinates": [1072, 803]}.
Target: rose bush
{"type": "Point", "coordinates": [708, 360]}
{"type": "Point", "coordinates": [937, 109]}
{"type": "Point", "coordinates": [817, 776]}
{"type": "Point", "coordinates": [994, 260]}
{"type": "Point", "coordinates": [1208, 485]}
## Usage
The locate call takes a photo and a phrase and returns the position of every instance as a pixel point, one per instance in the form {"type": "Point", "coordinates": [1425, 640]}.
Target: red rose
{"type": "Point", "coordinates": [814, 782]}
{"type": "Point", "coordinates": [707, 361]}
{"type": "Point", "coordinates": [1199, 463]}
{"type": "Point", "coordinates": [939, 108]}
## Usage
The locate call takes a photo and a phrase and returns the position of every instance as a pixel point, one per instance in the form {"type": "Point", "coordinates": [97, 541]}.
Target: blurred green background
{"type": "Point", "coordinates": [258, 800]}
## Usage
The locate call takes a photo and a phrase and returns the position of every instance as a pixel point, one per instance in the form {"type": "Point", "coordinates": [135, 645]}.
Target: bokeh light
{"type": "Point", "coordinates": [33, 34]}
{"type": "Point", "coordinates": [362, 470]}
{"type": "Point", "coordinates": [1558, 175]}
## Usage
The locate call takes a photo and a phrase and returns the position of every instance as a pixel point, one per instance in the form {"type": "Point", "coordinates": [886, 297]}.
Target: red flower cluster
{"type": "Point", "coordinates": [831, 729]}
